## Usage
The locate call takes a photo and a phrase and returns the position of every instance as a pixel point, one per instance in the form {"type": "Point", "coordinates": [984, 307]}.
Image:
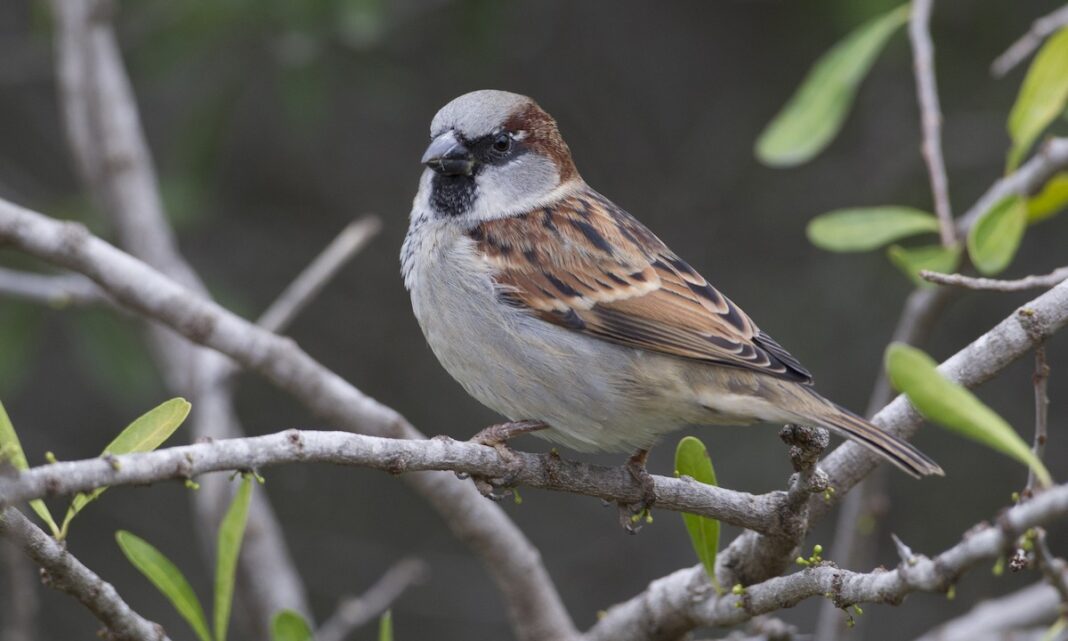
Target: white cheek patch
{"type": "Point", "coordinates": [514, 188]}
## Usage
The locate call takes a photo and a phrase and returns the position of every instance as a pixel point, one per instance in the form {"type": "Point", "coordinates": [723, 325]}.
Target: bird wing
{"type": "Point", "coordinates": [587, 265]}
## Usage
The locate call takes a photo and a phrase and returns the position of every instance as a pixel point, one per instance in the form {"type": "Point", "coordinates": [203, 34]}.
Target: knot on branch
{"type": "Point", "coordinates": [806, 445]}
{"type": "Point", "coordinates": [1029, 320]}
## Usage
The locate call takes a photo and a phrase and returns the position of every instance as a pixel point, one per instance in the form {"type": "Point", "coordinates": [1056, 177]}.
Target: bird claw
{"type": "Point", "coordinates": [497, 436]}
{"type": "Point", "coordinates": [633, 516]}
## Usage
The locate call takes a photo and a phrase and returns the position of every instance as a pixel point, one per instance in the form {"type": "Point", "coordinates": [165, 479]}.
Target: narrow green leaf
{"type": "Point", "coordinates": [860, 229]}
{"type": "Point", "coordinates": [167, 578]}
{"type": "Point", "coordinates": [385, 626]}
{"type": "Point", "coordinates": [1050, 201]}
{"type": "Point", "coordinates": [1042, 97]}
{"type": "Point", "coordinates": [936, 258]}
{"type": "Point", "coordinates": [815, 113]}
{"type": "Point", "coordinates": [146, 433]}
{"type": "Point", "coordinates": [290, 626]}
{"type": "Point", "coordinates": [151, 429]}
{"type": "Point", "coordinates": [231, 532]}
{"type": "Point", "coordinates": [947, 403]}
{"type": "Point", "coordinates": [11, 452]}
{"type": "Point", "coordinates": [995, 237]}
{"type": "Point", "coordinates": [691, 459]}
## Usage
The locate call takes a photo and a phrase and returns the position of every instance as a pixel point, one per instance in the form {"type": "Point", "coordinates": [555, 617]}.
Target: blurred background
{"type": "Point", "coordinates": [275, 123]}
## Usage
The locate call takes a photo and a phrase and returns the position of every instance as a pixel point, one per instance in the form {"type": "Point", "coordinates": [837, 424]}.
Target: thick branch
{"type": "Point", "coordinates": [670, 607]}
{"type": "Point", "coordinates": [397, 456]}
{"type": "Point", "coordinates": [930, 115]}
{"type": "Point", "coordinates": [65, 573]}
{"type": "Point", "coordinates": [514, 563]}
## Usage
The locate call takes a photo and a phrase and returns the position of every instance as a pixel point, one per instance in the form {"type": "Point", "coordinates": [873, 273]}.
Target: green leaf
{"type": "Point", "coordinates": [1042, 97]}
{"type": "Point", "coordinates": [947, 403]}
{"type": "Point", "coordinates": [167, 578]}
{"type": "Point", "coordinates": [290, 626]}
{"type": "Point", "coordinates": [935, 258]}
{"type": "Point", "coordinates": [995, 237]}
{"type": "Point", "coordinates": [815, 113]}
{"type": "Point", "coordinates": [145, 434]}
{"type": "Point", "coordinates": [385, 626]}
{"type": "Point", "coordinates": [860, 229]}
{"type": "Point", "coordinates": [231, 532]}
{"type": "Point", "coordinates": [11, 452]}
{"type": "Point", "coordinates": [1050, 201]}
{"type": "Point", "coordinates": [691, 459]}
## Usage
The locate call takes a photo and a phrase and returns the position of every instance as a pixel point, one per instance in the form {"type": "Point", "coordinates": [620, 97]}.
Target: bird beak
{"type": "Point", "coordinates": [448, 156]}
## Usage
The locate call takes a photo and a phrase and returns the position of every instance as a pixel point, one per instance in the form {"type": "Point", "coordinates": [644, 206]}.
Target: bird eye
{"type": "Point", "coordinates": [502, 143]}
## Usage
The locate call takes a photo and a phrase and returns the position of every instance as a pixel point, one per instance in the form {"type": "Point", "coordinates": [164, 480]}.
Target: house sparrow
{"type": "Point", "coordinates": [555, 307]}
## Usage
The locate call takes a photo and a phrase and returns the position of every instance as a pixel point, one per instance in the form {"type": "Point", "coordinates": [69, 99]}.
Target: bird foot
{"type": "Point", "coordinates": [632, 516]}
{"type": "Point", "coordinates": [497, 437]}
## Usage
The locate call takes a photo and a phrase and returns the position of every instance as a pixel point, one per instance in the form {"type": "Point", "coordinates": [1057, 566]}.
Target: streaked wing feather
{"type": "Point", "coordinates": [587, 265]}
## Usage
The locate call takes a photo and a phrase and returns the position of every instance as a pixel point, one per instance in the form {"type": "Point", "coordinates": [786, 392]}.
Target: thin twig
{"type": "Point", "coordinates": [55, 291]}
{"type": "Point", "coordinates": [931, 116]}
{"type": "Point", "coordinates": [1029, 42]}
{"type": "Point", "coordinates": [355, 612]}
{"type": "Point", "coordinates": [1041, 383]}
{"type": "Point", "coordinates": [318, 273]}
{"type": "Point", "coordinates": [993, 284]}
{"type": "Point", "coordinates": [1051, 158]}
{"type": "Point", "coordinates": [62, 571]}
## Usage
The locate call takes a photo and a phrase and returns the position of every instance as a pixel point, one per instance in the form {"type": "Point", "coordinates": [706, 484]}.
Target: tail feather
{"type": "Point", "coordinates": [895, 449]}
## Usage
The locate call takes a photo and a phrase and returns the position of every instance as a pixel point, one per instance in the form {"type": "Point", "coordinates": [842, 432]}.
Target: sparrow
{"type": "Point", "coordinates": [553, 306]}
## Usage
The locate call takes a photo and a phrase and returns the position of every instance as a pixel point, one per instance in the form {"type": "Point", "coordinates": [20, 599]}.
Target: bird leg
{"type": "Point", "coordinates": [497, 437]}
{"type": "Point", "coordinates": [633, 516]}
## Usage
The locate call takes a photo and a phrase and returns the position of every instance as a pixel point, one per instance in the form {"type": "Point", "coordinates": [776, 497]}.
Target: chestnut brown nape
{"type": "Point", "coordinates": [544, 137]}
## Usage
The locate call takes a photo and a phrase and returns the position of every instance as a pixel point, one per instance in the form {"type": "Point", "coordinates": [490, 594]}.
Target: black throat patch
{"type": "Point", "coordinates": [452, 195]}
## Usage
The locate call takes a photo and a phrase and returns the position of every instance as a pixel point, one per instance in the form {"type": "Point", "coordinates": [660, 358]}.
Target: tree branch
{"type": "Point", "coordinates": [1022, 48]}
{"type": "Point", "coordinates": [931, 115]}
{"type": "Point", "coordinates": [996, 285]}
{"type": "Point", "coordinates": [670, 606]}
{"type": "Point", "coordinates": [67, 574]}
{"type": "Point", "coordinates": [399, 456]}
